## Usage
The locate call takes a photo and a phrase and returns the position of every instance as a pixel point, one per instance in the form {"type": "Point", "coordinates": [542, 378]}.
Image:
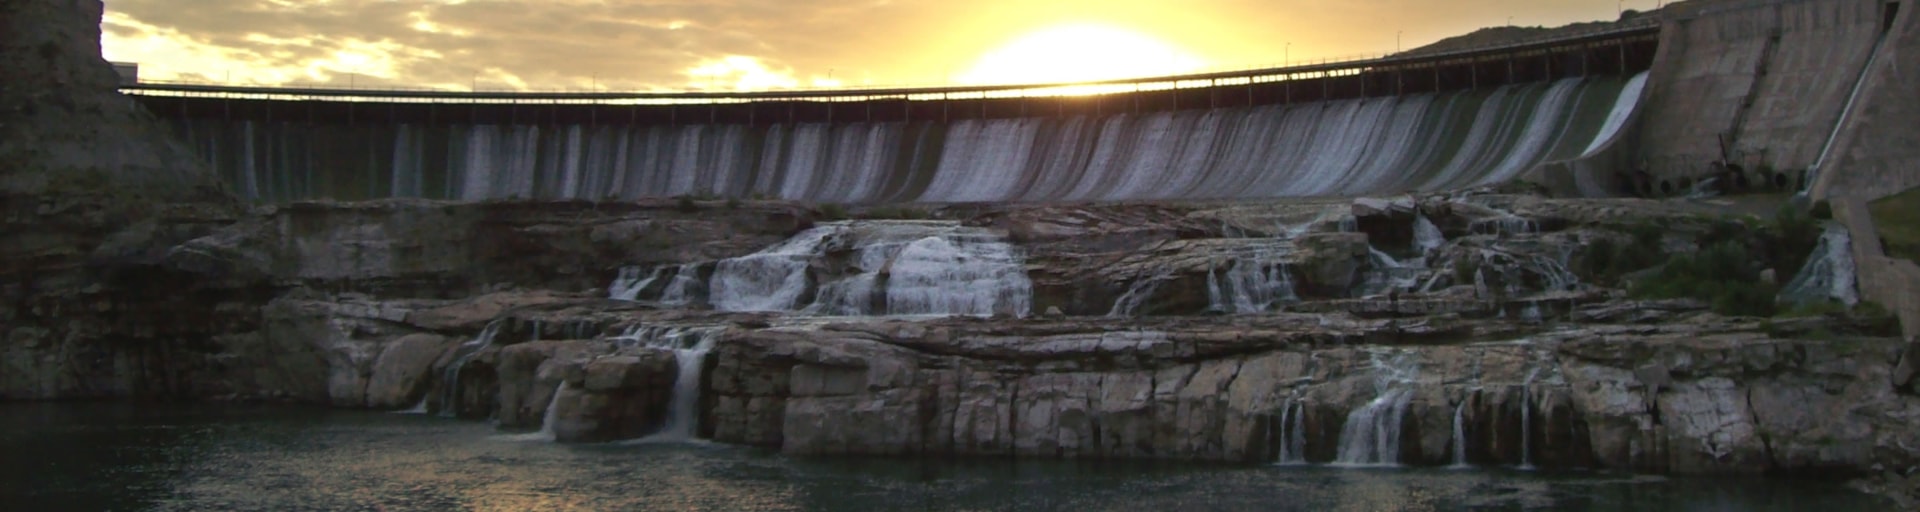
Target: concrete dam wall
{"type": "Point", "coordinates": [1759, 84]}
{"type": "Point", "coordinates": [1375, 145]}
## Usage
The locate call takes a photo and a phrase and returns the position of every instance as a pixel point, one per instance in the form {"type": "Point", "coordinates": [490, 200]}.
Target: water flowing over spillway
{"type": "Point", "coordinates": [1346, 147]}
{"type": "Point", "coordinates": [889, 268]}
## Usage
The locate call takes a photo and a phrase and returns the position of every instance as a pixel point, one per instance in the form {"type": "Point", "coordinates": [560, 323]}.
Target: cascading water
{"type": "Point", "coordinates": [1129, 303]}
{"type": "Point", "coordinates": [1254, 282]}
{"type": "Point", "coordinates": [1829, 273]}
{"type": "Point", "coordinates": [899, 268]}
{"type": "Point", "coordinates": [450, 377]}
{"type": "Point", "coordinates": [690, 346]}
{"type": "Point", "coordinates": [1371, 436]}
{"type": "Point", "coordinates": [630, 282]}
{"type": "Point", "coordinates": [773, 279]}
{"type": "Point", "coordinates": [1426, 236]}
{"type": "Point", "coordinates": [1460, 434]}
{"type": "Point", "coordinates": [1346, 147]}
{"type": "Point", "coordinates": [1526, 420]}
{"type": "Point", "coordinates": [1293, 433]}
{"type": "Point", "coordinates": [547, 419]}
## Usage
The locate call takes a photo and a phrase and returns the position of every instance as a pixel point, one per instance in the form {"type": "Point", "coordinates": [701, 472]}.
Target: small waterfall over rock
{"type": "Point", "coordinates": [774, 279]}
{"type": "Point", "coordinates": [1292, 440]}
{"type": "Point", "coordinates": [1829, 273]}
{"type": "Point", "coordinates": [1426, 236]}
{"type": "Point", "coordinates": [1250, 284]}
{"type": "Point", "coordinates": [630, 282]}
{"type": "Point", "coordinates": [1460, 434]}
{"type": "Point", "coordinates": [450, 377]}
{"type": "Point", "coordinates": [1256, 277]}
{"type": "Point", "coordinates": [891, 268]}
{"type": "Point", "coordinates": [1371, 436]}
{"type": "Point", "coordinates": [1388, 274]}
{"type": "Point", "coordinates": [1129, 303]}
{"type": "Point", "coordinates": [1526, 420]}
{"type": "Point", "coordinates": [547, 420]}
{"type": "Point", "coordinates": [690, 346]}
{"type": "Point", "coordinates": [1505, 225]}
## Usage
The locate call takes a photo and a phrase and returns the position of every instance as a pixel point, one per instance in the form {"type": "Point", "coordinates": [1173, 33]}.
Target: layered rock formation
{"type": "Point", "coordinates": [93, 192]}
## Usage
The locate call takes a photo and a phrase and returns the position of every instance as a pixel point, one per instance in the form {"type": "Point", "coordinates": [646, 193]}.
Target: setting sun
{"type": "Point", "coordinates": [1080, 53]}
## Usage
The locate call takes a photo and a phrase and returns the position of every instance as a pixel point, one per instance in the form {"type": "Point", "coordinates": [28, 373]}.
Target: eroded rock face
{"type": "Point", "coordinates": [92, 193]}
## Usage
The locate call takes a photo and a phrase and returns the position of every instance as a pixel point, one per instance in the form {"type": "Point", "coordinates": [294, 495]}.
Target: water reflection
{"type": "Point", "coordinates": [118, 457]}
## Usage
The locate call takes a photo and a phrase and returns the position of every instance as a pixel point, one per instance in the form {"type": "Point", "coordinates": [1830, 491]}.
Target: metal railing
{"type": "Point", "coordinates": [1328, 67]}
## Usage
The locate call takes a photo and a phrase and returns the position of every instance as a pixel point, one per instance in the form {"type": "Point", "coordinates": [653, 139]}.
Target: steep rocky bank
{"type": "Point", "coordinates": [1318, 332]}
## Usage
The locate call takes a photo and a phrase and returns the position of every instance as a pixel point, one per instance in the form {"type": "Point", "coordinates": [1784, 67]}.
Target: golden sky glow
{"type": "Point", "coordinates": [773, 44]}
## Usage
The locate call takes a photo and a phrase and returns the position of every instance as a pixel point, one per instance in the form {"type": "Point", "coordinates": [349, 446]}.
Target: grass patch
{"type": "Point", "coordinates": [1898, 219]}
{"type": "Point", "coordinates": [1724, 275]}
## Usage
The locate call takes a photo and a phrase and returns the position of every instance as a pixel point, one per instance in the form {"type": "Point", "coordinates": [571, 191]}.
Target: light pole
{"type": "Point", "coordinates": [1396, 40]}
{"type": "Point", "coordinates": [1287, 57]}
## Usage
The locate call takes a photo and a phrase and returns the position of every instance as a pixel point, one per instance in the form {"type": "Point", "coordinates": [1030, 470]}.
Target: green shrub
{"type": "Point", "coordinates": [733, 203]}
{"type": "Point", "coordinates": [686, 204]}
{"type": "Point", "coordinates": [1723, 275]}
{"type": "Point", "coordinates": [1788, 240]}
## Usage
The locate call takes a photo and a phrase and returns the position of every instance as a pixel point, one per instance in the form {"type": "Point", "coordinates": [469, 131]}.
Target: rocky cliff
{"type": "Point", "coordinates": [93, 193]}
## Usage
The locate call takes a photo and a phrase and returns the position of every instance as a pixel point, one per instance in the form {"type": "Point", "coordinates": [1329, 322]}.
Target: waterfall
{"type": "Point", "coordinates": [1293, 432]}
{"type": "Point", "coordinates": [1531, 313]}
{"type": "Point", "coordinates": [770, 280]}
{"type": "Point", "coordinates": [1129, 303]}
{"type": "Point", "coordinates": [1829, 273]}
{"type": "Point", "coordinates": [1253, 283]}
{"type": "Point", "coordinates": [1381, 259]}
{"type": "Point", "coordinates": [1388, 274]}
{"type": "Point", "coordinates": [450, 377]}
{"type": "Point", "coordinates": [1434, 141]}
{"type": "Point", "coordinates": [1506, 224]}
{"type": "Point", "coordinates": [1526, 420]}
{"type": "Point", "coordinates": [684, 286]}
{"type": "Point", "coordinates": [1426, 236]}
{"type": "Point", "coordinates": [629, 283]}
{"type": "Point", "coordinates": [1371, 436]}
{"type": "Point", "coordinates": [690, 346]}
{"type": "Point", "coordinates": [1460, 434]}
{"type": "Point", "coordinates": [418, 408]}
{"type": "Point", "coordinates": [897, 268]}
{"type": "Point", "coordinates": [547, 419]}
{"type": "Point", "coordinates": [958, 275]}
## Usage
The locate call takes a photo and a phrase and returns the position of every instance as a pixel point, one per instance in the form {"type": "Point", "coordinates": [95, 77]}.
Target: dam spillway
{"type": "Point", "coordinates": [1416, 122]}
{"type": "Point", "coordinates": [1388, 144]}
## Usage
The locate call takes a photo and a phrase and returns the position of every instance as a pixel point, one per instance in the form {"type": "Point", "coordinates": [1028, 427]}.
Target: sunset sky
{"type": "Point", "coordinates": [772, 44]}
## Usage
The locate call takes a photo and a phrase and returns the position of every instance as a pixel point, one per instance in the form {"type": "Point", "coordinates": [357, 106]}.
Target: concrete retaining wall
{"type": "Point", "coordinates": [1770, 77]}
{"type": "Point", "coordinates": [1877, 151]}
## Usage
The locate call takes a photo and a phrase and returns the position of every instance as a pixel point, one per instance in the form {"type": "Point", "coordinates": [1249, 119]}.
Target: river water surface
{"type": "Point", "coordinates": [124, 457]}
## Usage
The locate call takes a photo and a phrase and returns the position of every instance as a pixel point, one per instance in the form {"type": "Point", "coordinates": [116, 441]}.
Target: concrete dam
{"type": "Point", "coordinates": [1747, 93]}
{"type": "Point", "coordinates": [1397, 124]}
